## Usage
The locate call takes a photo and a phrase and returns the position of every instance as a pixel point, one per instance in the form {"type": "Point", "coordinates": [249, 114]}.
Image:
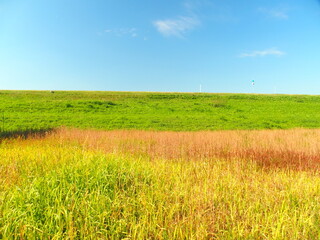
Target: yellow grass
{"type": "Point", "coordinates": [298, 149]}
{"type": "Point", "coordinates": [161, 185]}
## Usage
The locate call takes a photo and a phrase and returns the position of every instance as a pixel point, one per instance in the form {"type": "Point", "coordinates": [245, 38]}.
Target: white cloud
{"type": "Point", "coordinates": [280, 14]}
{"type": "Point", "coordinates": [119, 32]}
{"type": "Point", "coordinates": [191, 5]}
{"type": "Point", "coordinates": [176, 27]}
{"type": "Point", "coordinates": [275, 13]}
{"type": "Point", "coordinates": [263, 53]}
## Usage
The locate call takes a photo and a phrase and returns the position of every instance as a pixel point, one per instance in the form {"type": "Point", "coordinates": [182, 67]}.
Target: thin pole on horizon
{"type": "Point", "coordinates": [252, 82]}
{"type": "Point", "coordinates": [200, 88]}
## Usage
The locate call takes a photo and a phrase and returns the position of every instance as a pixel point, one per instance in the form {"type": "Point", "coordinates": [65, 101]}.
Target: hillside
{"type": "Point", "coordinates": [156, 111]}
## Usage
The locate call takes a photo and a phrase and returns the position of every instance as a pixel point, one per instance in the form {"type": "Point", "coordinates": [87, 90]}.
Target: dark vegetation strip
{"type": "Point", "coordinates": [25, 134]}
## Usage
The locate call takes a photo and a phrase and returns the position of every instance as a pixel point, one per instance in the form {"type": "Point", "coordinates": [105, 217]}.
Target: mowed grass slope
{"type": "Point", "coordinates": [72, 184]}
{"type": "Point", "coordinates": [156, 111]}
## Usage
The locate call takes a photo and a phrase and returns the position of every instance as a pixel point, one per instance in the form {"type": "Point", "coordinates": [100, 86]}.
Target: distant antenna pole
{"type": "Point", "coordinates": [252, 82]}
{"type": "Point", "coordinates": [200, 88]}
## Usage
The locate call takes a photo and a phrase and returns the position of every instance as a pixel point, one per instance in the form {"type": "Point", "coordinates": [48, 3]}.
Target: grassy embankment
{"type": "Point", "coordinates": [161, 185]}
{"type": "Point", "coordinates": [156, 111]}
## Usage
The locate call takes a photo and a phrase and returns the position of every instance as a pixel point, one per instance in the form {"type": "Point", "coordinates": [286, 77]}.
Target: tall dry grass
{"type": "Point", "coordinates": [295, 149]}
{"type": "Point", "coordinates": [84, 184]}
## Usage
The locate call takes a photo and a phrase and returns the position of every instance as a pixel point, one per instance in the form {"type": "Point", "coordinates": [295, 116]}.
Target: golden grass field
{"type": "Point", "coordinates": [75, 184]}
{"type": "Point", "coordinates": [295, 149]}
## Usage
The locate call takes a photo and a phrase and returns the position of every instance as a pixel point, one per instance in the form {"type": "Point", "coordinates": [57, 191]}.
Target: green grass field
{"type": "Point", "coordinates": [156, 111]}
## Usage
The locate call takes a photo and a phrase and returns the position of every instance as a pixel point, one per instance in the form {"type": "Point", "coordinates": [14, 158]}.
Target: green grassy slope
{"type": "Point", "coordinates": [158, 111]}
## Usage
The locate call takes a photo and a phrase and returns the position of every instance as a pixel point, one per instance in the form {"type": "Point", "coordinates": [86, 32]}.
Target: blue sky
{"type": "Point", "coordinates": [161, 45]}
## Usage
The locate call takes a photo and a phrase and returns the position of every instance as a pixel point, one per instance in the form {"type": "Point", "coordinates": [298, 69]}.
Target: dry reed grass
{"type": "Point", "coordinates": [201, 185]}
{"type": "Point", "coordinates": [297, 149]}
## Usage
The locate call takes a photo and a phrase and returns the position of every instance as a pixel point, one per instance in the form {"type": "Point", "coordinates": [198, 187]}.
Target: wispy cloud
{"type": "Point", "coordinates": [176, 27]}
{"type": "Point", "coordinates": [277, 13]}
{"type": "Point", "coordinates": [195, 5]}
{"type": "Point", "coordinates": [179, 25]}
{"type": "Point", "coordinates": [263, 53]}
{"type": "Point", "coordinates": [119, 32]}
